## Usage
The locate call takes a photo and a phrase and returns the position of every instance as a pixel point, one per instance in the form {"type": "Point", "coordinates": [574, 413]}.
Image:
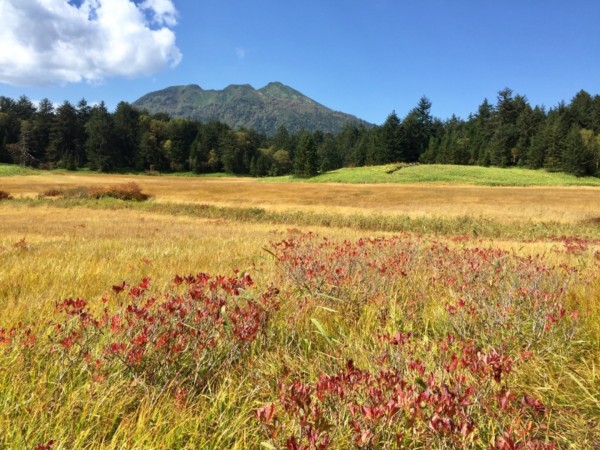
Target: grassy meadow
{"type": "Point", "coordinates": [240, 313]}
{"type": "Point", "coordinates": [448, 173]}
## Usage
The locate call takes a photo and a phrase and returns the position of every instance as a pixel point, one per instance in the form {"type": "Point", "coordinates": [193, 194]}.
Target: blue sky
{"type": "Point", "coordinates": [366, 58]}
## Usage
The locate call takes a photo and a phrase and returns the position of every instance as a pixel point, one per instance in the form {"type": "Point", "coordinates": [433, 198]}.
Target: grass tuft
{"type": "Point", "coordinates": [127, 191]}
{"type": "Point", "coordinates": [5, 196]}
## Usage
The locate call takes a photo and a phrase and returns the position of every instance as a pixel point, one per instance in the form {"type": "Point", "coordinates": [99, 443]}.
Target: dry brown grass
{"type": "Point", "coordinates": [560, 204]}
{"type": "Point", "coordinates": [50, 253]}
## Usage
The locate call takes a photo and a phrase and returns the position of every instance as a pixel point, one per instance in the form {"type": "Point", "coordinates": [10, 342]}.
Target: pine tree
{"type": "Point", "coordinates": [556, 131]}
{"type": "Point", "coordinates": [580, 110]}
{"type": "Point", "coordinates": [306, 163]}
{"type": "Point", "coordinates": [100, 145]}
{"type": "Point", "coordinates": [482, 132]}
{"type": "Point", "coordinates": [65, 147]}
{"type": "Point", "coordinates": [41, 129]}
{"type": "Point", "coordinates": [390, 144]}
{"type": "Point", "coordinates": [4, 156]}
{"type": "Point", "coordinates": [180, 134]}
{"type": "Point", "coordinates": [127, 133]}
{"type": "Point", "coordinates": [328, 154]}
{"type": "Point", "coordinates": [577, 159]}
{"type": "Point", "coordinates": [503, 146]}
{"type": "Point", "coordinates": [205, 153]}
{"type": "Point", "coordinates": [419, 142]}
{"type": "Point", "coordinates": [150, 155]}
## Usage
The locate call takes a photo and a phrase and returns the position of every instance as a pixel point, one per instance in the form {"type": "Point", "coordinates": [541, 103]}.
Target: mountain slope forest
{"type": "Point", "coordinates": [242, 106]}
{"type": "Point", "coordinates": [508, 133]}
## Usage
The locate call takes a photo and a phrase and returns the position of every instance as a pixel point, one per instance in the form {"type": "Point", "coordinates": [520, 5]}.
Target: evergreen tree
{"type": "Point", "coordinates": [151, 155]}
{"type": "Point", "coordinates": [126, 121]}
{"type": "Point", "coordinates": [430, 155]}
{"type": "Point", "coordinates": [238, 148]}
{"type": "Point", "coordinates": [181, 133]}
{"type": "Point", "coordinates": [4, 156]}
{"type": "Point", "coordinates": [11, 123]}
{"type": "Point", "coordinates": [231, 153]}
{"type": "Point", "coordinates": [416, 130]}
{"type": "Point", "coordinates": [262, 164]}
{"type": "Point", "coordinates": [580, 110]}
{"type": "Point", "coordinates": [281, 139]}
{"type": "Point", "coordinates": [481, 132]}
{"type": "Point", "coordinates": [556, 131]}
{"type": "Point", "coordinates": [101, 143]}
{"type": "Point", "coordinates": [577, 159]}
{"type": "Point", "coordinates": [536, 153]}
{"type": "Point", "coordinates": [7, 104]}
{"type": "Point", "coordinates": [24, 108]}
{"type": "Point", "coordinates": [346, 141]}
{"type": "Point", "coordinates": [65, 147]}
{"type": "Point", "coordinates": [591, 144]}
{"type": "Point", "coordinates": [41, 129]}
{"type": "Point", "coordinates": [503, 146]}
{"type": "Point", "coordinates": [306, 163]}
{"type": "Point", "coordinates": [390, 145]}
{"type": "Point", "coordinates": [84, 112]}
{"type": "Point", "coordinates": [205, 152]}
{"type": "Point", "coordinates": [328, 154]}
{"type": "Point", "coordinates": [595, 113]}
{"type": "Point", "coordinates": [527, 126]}
{"type": "Point", "coordinates": [410, 138]}
{"type": "Point", "coordinates": [368, 141]}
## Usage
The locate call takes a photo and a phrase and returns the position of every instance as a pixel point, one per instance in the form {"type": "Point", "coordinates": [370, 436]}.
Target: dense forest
{"type": "Point", "coordinates": [508, 133]}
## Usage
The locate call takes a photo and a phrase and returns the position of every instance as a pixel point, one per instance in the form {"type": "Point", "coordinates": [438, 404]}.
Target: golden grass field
{"type": "Point", "coordinates": [51, 252]}
{"type": "Point", "coordinates": [562, 204]}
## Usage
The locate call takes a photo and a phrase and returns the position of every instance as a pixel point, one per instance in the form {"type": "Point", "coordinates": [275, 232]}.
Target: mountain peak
{"type": "Point", "coordinates": [280, 90]}
{"type": "Point", "coordinates": [239, 87]}
{"type": "Point", "coordinates": [240, 105]}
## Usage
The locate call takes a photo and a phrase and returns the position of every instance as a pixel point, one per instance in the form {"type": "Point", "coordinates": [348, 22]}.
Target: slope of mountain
{"type": "Point", "coordinates": [264, 109]}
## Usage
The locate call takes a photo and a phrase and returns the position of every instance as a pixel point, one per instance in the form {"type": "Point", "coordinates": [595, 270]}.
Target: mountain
{"type": "Point", "coordinates": [264, 109]}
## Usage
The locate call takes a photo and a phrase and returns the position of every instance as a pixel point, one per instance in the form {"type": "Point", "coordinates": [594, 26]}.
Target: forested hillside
{"type": "Point", "coordinates": [242, 106]}
{"type": "Point", "coordinates": [508, 133]}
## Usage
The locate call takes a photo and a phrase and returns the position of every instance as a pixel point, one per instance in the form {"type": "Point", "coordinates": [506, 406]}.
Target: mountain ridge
{"type": "Point", "coordinates": [243, 106]}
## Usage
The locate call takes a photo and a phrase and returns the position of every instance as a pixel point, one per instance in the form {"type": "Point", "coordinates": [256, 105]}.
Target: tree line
{"type": "Point", "coordinates": [508, 133]}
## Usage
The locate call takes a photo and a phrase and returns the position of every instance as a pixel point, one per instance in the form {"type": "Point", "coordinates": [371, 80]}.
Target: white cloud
{"type": "Point", "coordinates": [240, 53]}
{"type": "Point", "coordinates": [60, 41]}
{"type": "Point", "coordinates": [163, 11]}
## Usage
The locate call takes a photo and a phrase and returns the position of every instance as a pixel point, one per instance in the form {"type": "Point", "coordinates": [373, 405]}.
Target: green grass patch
{"type": "Point", "coordinates": [10, 170]}
{"type": "Point", "coordinates": [205, 175]}
{"type": "Point", "coordinates": [389, 173]}
{"type": "Point", "coordinates": [439, 173]}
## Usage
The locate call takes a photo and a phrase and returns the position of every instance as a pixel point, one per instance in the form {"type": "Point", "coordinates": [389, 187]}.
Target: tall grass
{"type": "Point", "coordinates": [488, 330]}
{"type": "Point", "coordinates": [507, 204]}
{"type": "Point", "coordinates": [474, 227]}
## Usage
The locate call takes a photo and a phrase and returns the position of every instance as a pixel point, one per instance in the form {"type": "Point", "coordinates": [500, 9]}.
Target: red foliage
{"type": "Point", "coordinates": [185, 334]}
{"type": "Point", "coordinates": [47, 446]}
{"type": "Point", "coordinates": [432, 393]}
